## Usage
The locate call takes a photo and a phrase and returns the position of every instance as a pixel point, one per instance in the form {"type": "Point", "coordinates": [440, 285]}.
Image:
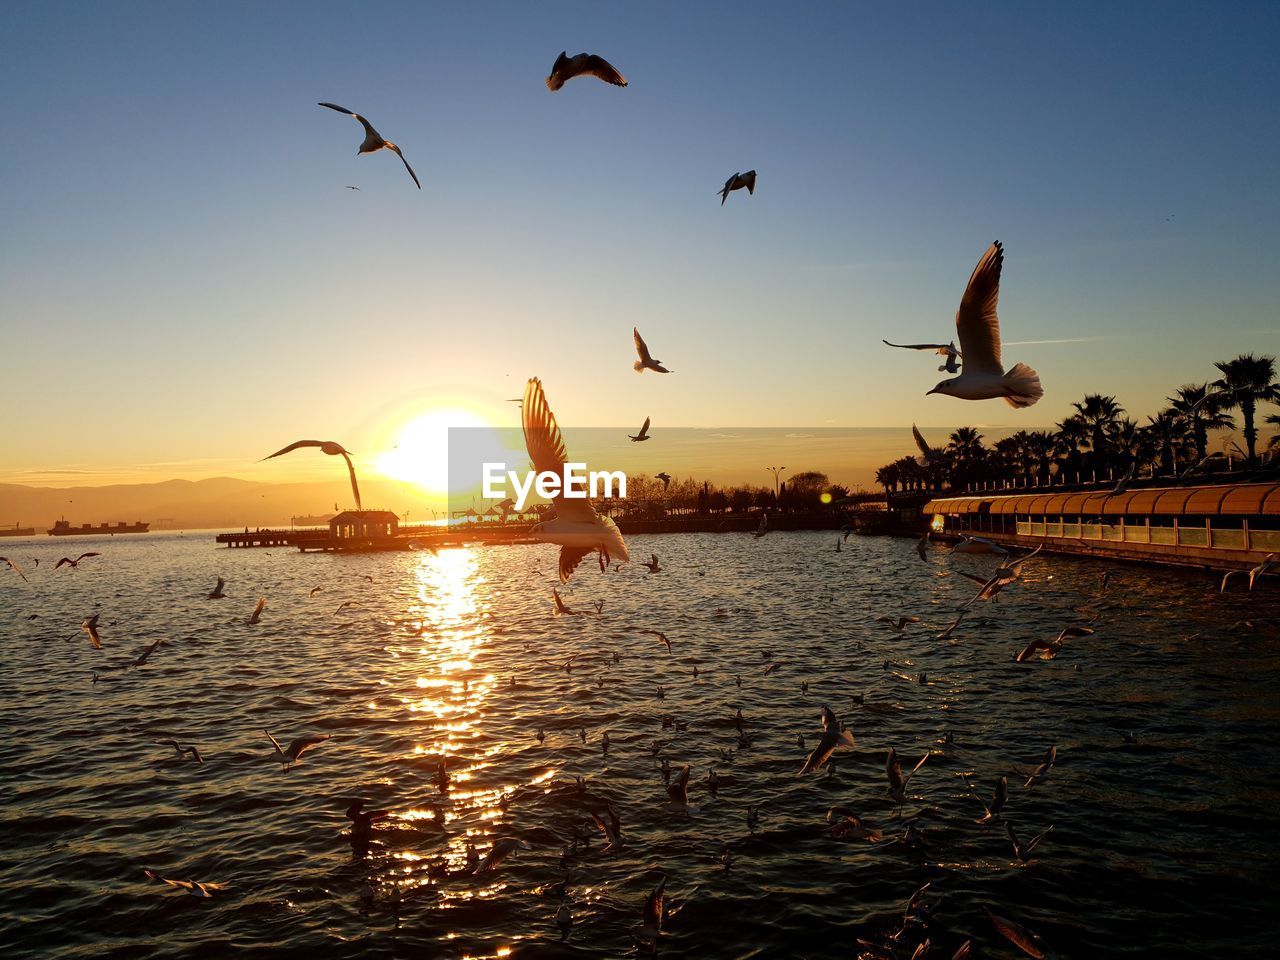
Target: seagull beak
{"type": "Point", "coordinates": [934, 390]}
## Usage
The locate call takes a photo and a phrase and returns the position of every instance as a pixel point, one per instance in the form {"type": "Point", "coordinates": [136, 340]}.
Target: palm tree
{"type": "Point", "coordinates": [1201, 415]}
{"type": "Point", "coordinates": [1245, 381]}
{"type": "Point", "coordinates": [967, 452]}
{"type": "Point", "coordinates": [1166, 429]}
{"type": "Point", "coordinates": [1099, 414]}
{"type": "Point", "coordinates": [1071, 436]}
{"type": "Point", "coordinates": [888, 477]}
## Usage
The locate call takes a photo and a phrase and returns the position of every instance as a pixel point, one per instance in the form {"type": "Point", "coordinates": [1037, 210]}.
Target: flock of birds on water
{"type": "Point", "coordinates": [919, 933]}
{"type": "Point", "coordinates": [579, 531]}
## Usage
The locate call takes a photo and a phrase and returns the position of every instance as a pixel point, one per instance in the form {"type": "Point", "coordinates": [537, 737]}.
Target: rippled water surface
{"type": "Point", "coordinates": [1165, 722]}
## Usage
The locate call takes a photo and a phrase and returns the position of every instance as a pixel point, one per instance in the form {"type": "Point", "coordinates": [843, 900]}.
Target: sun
{"type": "Point", "coordinates": [421, 456]}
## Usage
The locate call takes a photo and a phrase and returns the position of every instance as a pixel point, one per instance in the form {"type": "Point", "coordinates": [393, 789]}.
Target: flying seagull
{"type": "Point", "coordinates": [737, 182]}
{"type": "Point", "coordinates": [665, 478]}
{"type": "Point", "coordinates": [646, 933]}
{"type": "Point", "coordinates": [287, 758]}
{"type": "Point", "coordinates": [643, 435]}
{"type": "Point", "coordinates": [577, 528]}
{"type": "Point", "coordinates": [15, 568]}
{"type": "Point", "coordinates": [148, 650]}
{"type": "Point", "coordinates": [833, 738]}
{"type": "Point", "coordinates": [583, 65]}
{"type": "Point", "coordinates": [646, 361]}
{"type": "Point", "coordinates": [76, 561]}
{"type": "Point", "coordinates": [983, 376]}
{"type": "Point", "coordinates": [1025, 940]}
{"type": "Point", "coordinates": [90, 627]}
{"type": "Point", "coordinates": [502, 848]}
{"type": "Point", "coordinates": [181, 750]}
{"type": "Point", "coordinates": [257, 610]}
{"type": "Point", "coordinates": [662, 637]}
{"type": "Point", "coordinates": [193, 887]}
{"type": "Point", "coordinates": [216, 593]}
{"type": "Point", "coordinates": [372, 141]}
{"type": "Point", "coordinates": [947, 350]}
{"type": "Point", "coordinates": [333, 449]}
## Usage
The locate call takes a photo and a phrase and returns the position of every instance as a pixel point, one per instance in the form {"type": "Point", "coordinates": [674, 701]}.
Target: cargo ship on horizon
{"type": "Point", "coordinates": [62, 528]}
{"type": "Point", "coordinates": [17, 531]}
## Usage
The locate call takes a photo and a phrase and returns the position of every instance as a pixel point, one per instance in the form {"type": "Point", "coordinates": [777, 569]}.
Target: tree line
{"type": "Point", "coordinates": [1099, 441]}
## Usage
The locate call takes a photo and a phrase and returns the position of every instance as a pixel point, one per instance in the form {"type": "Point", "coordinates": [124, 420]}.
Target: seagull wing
{"type": "Point", "coordinates": [1028, 942]}
{"type": "Point", "coordinates": [644, 430]}
{"type": "Point", "coordinates": [392, 146]}
{"type": "Point", "coordinates": [599, 67]}
{"type": "Point", "coordinates": [917, 346]}
{"type": "Point", "coordinates": [545, 445]}
{"type": "Point", "coordinates": [16, 569]}
{"type": "Point", "coordinates": [274, 742]}
{"type": "Point", "coordinates": [570, 557]}
{"type": "Point", "coordinates": [334, 106]}
{"type": "Point", "coordinates": [651, 915]}
{"type": "Point", "coordinates": [918, 765]}
{"type": "Point", "coordinates": [976, 321]}
{"type": "Point", "coordinates": [355, 488]}
{"type": "Point", "coordinates": [298, 443]}
{"type": "Point", "coordinates": [926, 451]}
{"type": "Point", "coordinates": [641, 347]}
{"type": "Point", "coordinates": [302, 744]}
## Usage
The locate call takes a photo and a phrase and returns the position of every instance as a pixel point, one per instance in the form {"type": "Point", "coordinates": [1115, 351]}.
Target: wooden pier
{"type": "Point", "coordinates": [430, 536]}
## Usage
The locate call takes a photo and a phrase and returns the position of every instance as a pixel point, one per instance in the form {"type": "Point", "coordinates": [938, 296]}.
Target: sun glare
{"type": "Point", "coordinates": [421, 455]}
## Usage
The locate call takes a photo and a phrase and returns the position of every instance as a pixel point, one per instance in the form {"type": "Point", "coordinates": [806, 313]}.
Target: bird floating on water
{"type": "Point", "coordinates": [983, 376]}
{"type": "Point", "coordinates": [373, 142]}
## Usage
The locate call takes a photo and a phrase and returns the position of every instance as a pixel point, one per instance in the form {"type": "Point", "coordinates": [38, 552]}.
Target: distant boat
{"type": "Point", "coordinates": [17, 531]}
{"type": "Point", "coordinates": [64, 529]}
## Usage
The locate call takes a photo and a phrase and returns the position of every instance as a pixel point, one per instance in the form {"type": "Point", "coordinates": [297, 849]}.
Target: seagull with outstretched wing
{"type": "Point", "coordinates": [646, 361]}
{"type": "Point", "coordinates": [15, 568]}
{"type": "Point", "coordinates": [643, 435]}
{"type": "Point", "coordinates": [297, 747]}
{"type": "Point", "coordinates": [978, 327]}
{"type": "Point", "coordinates": [333, 449]}
{"type": "Point", "coordinates": [373, 142]}
{"type": "Point", "coordinates": [583, 65]}
{"type": "Point", "coordinates": [947, 350]}
{"type": "Point", "coordinates": [576, 527]}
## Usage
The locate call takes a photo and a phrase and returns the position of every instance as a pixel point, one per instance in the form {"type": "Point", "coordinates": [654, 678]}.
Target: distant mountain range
{"type": "Point", "coordinates": [201, 504]}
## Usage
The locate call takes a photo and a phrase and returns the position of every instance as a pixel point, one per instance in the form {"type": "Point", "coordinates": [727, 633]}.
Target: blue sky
{"type": "Point", "coordinates": [186, 281]}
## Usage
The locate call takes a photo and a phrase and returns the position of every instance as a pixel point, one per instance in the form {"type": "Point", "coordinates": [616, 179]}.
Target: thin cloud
{"type": "Point", "coordinates": [1036, 343]}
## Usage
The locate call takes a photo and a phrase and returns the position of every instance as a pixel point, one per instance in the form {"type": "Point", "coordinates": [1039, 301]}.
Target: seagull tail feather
{"type": "Point", "coordinates": [1023, 386]}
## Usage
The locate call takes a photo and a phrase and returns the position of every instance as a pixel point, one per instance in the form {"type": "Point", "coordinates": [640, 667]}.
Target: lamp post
{"type": "Point", "coordinates": [775, 471]}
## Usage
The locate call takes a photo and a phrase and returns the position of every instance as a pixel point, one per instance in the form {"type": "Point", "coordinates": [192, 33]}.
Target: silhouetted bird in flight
{"type": "Point", "coordinates": [583, 65]}
{"type": "Point", "coordinates": [333, 449]}
{"type": "Point", "coordinates": [373, 142]}
{"type": "Point", "coordinates": [737, 182]}
{"type": "Point", "coordinates": [646, 361]}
